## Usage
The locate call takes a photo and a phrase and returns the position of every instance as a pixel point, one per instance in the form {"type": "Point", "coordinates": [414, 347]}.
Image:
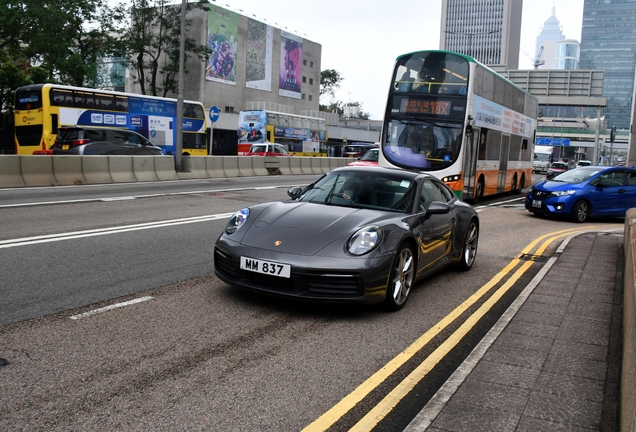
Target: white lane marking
{"type": "Point", "coordinates": [131, 197]}
{"type": "Point", "coordinates": [104, 231]}
{"type": "Point", "coordinates": [111, 307]}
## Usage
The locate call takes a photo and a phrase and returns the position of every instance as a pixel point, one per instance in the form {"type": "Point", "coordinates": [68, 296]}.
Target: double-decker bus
{"type": "Point", "coordinates": [40, 109]}
{"type": "Point", "coordinates": [453, 117]}
{"type": "Point", "coordinates": [301, 135]}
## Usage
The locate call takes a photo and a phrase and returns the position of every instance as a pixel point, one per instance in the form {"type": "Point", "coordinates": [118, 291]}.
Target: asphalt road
{"type": "Point", "coordinates": [196, 354]}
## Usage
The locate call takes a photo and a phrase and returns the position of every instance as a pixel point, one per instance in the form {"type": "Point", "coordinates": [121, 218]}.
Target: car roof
{"type": "Point", "coordinates": [411, 175]}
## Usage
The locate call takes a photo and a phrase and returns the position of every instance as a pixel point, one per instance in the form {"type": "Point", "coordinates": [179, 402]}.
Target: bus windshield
{"type": "Point", "coordinates": [431, 73]}
{"type": "Point", "coordinates": [422, 144]}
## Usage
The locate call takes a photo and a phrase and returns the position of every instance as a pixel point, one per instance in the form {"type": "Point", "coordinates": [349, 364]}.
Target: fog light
{"type": "Point", "coordinates": [559, 207]}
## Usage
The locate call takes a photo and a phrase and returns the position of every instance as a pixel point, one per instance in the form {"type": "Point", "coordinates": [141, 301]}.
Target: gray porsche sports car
{"type": "Point", "coordinates": [357, 234]}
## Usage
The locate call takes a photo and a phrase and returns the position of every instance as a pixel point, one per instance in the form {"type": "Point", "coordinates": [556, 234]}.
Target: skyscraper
{"type": "Point", "coordinates": [488, 30]}
{"type": "Point", "coordinates": [545, 49]}
{"type": "Point", "coordinates": [608, 42]}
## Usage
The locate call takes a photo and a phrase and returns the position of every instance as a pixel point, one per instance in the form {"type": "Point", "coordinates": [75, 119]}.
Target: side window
{"type": "Point", "coordinates": [430, 192]}
{"type": "Point", "coordinates": [631, 178]}
{"type": "Point", "coordinates": [612, 179]}
{"type": "Point", "coordinates": [132, 138]}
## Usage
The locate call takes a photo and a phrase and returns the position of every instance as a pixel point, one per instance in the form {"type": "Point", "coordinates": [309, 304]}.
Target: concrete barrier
{"type": "Point", "coordinates": [284, 165]}
{"type": "Point", "coordinates": [305, 165]}
{"type": "Point", "coordinates": [121, 169]}
{"type": "Point", "coordinates": [230, 166]}
{"type": "Point", "coordinates": [164, 168]}
{"type": "Point", "coordinates": [628, 370]}
{"type": "Point", "coordinates": [37, 170]}
{"type": "Point", "coordinates": [10, 172]}
{"type": "Point", "coordinates": [68, 170]}
{"type": "Point", "coordinates": [214, 165]}
{"type": "Point", "coordinates": [325, 165]}
{"type": "Point", "coordinates": [144, 168]}
{"type": "Point", "coordinates": [19, 171]}
{"type": "Point", "coordinates": [193, 167]}
{"type": "Point", "coordinates": [245, 166]}
{"type": "Point", "coordinates": [316, 167]}
{"type": "Point", "coordinates": [295, 165]}
{"type": "Point", "coordinates": [95, 169]}
{"type": "Point", "coordinates": [258, 166]}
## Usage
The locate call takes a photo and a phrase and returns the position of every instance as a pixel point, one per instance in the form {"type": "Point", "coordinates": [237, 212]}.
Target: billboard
{"type": "Point", "coordinates": [291, 58]}
{"type": "Point", "coordinates": [260, 39]}
{"type": "Point", "coordinates": [223, 41]}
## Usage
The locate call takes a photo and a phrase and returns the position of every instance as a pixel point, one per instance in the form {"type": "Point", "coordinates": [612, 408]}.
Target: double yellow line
{"type": "Point", "coordinates": [386, 405]}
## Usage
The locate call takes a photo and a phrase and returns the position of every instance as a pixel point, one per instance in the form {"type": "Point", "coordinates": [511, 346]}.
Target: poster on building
{"type": "Point", "coordinates": [291, 57]}
{"type": "Point", "coordinates": [260, 38]}
{"type": "Point", "coordinates": [223, 41]}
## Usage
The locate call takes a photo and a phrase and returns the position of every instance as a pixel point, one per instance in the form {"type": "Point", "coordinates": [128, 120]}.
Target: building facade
{"type": "Point", "coordinates": [608, 43]}
{"type": "Point", "coordinates": [254, 65]}
{"type": "Point", "coordinates": [488, 30]}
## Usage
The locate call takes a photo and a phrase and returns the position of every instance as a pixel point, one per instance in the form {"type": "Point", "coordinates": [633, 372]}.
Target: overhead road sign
{"type": "Point", "coordinates": [548, 141]}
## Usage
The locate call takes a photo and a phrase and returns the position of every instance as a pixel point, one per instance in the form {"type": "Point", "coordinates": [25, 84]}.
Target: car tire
{"type": "Point", "coordinates": [513, 187]}
{"type": "Point", "coordinates": [580, 211]}
{"type": "Point", "coordinates": [469, 249]}
{"type": "Point", "coordinates": [401, 278]}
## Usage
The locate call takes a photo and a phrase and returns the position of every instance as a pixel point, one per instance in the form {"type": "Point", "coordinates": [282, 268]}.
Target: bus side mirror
{"type": "Point", "coordinates": [469, 131]}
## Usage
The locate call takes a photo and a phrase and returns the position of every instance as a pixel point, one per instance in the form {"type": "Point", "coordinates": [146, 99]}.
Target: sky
{"type": "Point", "coordinates": [362, 38]}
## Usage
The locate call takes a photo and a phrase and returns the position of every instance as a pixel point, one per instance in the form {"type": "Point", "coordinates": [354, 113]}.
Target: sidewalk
{"type": "Point", "coordinates": [551, 363]}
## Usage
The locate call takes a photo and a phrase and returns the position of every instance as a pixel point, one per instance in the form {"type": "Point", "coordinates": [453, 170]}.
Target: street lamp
{"type": "Point", "coordinates": [470, 37]}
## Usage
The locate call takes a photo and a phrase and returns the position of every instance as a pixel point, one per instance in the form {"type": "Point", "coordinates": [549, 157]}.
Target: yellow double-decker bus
{"type": "Point", "coordinates": [301, 135]}
{"type": "Point", "coordinates": [40, 109]}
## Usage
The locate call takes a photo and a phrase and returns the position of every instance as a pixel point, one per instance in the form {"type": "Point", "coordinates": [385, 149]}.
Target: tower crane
{"type": "Point", "coordinates": [537, 61]}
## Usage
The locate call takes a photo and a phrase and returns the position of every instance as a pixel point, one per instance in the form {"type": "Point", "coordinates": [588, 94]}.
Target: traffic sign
{"type": "Point", "coordinates": [214, 113]}
{"type": "Point", "coordinates": [548, 141]}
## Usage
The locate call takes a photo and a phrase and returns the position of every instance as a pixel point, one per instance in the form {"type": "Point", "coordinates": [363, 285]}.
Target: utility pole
{"type": "Point", "coordinates": [179, 144]}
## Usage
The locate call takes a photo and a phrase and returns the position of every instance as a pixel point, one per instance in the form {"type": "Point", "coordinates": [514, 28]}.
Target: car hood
{"type": "Point", "coordinates": [553, 186]}
{"type": "Point", "coordinates": [306, 228]}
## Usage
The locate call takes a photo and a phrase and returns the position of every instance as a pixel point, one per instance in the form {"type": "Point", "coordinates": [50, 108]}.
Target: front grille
{"type": "Point", "coordinates": [541, 194]}
{"type": "Point", "coordinates": [335, 285]}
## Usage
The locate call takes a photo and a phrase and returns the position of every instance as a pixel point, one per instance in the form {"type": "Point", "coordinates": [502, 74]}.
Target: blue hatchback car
{"type": "Point", "coordinates": [585, 192]}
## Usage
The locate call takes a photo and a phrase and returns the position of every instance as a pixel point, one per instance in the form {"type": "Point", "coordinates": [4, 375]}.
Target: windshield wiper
{"type": "Point", "coordinates": [330, 194]}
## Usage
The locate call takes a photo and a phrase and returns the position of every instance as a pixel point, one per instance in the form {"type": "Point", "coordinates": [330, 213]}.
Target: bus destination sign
{"type": "Point", "coordinates": [419, 106]}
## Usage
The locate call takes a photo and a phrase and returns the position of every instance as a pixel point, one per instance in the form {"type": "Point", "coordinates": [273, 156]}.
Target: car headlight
{"type": "Point", "coordinates": [564, 193]}
{"type": "Point", "coordinates": [237, 220]}
{"type": "Point", "coordinates": [364, 240]}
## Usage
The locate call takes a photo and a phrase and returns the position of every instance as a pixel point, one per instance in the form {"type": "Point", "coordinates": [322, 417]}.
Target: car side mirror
{"type": "Point", "coordinates": [438, 207]}
{"type": "Point", "coordinates": [294, 192]}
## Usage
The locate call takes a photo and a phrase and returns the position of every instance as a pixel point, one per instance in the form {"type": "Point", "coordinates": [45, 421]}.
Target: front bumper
{"type": "Point", "coordinates": [557, 206]}
{"type": "Point", "coordinates": [359, 280]}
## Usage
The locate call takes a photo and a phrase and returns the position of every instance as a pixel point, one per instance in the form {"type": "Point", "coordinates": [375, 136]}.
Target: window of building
{"type": "Point", "coordinates": [304, 79]}
{"type": "Point", "coordinates": [229, 109]}
{"type": "Point", "coordinates": [303, 96]}
{"type": "Point", "coordinates": [304, 62]}
{"type": "Point", "coordinates": [311, 81]}
{"type": "Point", "coordinates": [310, 97]}
{"type": "Point", "coordinates": [311, 64]}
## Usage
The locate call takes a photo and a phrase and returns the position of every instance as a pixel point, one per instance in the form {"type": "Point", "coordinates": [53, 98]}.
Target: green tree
{"type": "Point", "coordinates": [10, 79]}
{"type": "Point", "coordinates": [150, 43]}
{"type": "Point", "coordinates": [330, 80]}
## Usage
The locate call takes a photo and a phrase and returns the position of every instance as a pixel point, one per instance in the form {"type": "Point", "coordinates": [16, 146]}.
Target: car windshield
{"type": "Point", "coordinates": [578, 175]}
{"type": "Point", "coordinates": [370, 156]}
{"type": "Point", "coordinates": [560, 165]}
{"type": "Point", "coordinates": [381, 191]}
{"type": "Point", "coordinates": [258, 149]}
